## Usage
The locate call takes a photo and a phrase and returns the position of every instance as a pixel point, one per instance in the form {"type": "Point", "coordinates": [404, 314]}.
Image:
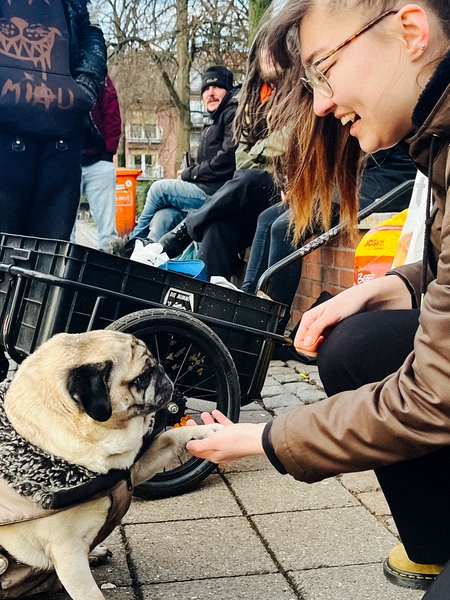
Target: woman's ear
{"type": "Point", "coordinates": [415, 29]}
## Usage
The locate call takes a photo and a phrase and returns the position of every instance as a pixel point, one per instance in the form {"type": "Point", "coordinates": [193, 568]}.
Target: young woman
{"type": "Point", "coordinates": [379, 73]}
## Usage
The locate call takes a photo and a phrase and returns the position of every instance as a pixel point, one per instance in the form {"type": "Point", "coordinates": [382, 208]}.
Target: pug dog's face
{"type": "Point", "coordinates": [129, 383]}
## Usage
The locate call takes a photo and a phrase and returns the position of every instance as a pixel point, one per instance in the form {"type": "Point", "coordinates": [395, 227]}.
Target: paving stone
{"type": "Point", "coordinates": [209, 500]}
{"type": "Point", "coordinates": [364, 481]}
{"type": "Point", "coordinates": [274, 364]}
{"type": "Point", "coordinates": [290, 377]}
{"type": "Point", "coordinates": [282, 369]}
{"type": "Point", "coordinates": [273, 390]}
{"type": "Point", "coordinates": [269, 381]}
{"type": "Point", "coordinates": [250, 463]}
{"type": "Point", "coordinates": [251, 587]}
{"type": "Point", "coordinates": [284, 399]}
{"type": "Point", "coordinates": [286, 494]}
{"type": "Point", "coordinates": [184, 550]}
{"type": "Point", "coordinates": [305, 393]}
{"type": "Point", "coordinates": [375, 502]}
{"type": "Point", "coordinates": [312, 539]}
{"type": "Point", "coordinates": [250, 408]}
{"type": "Point", "coordinates": [362, 582]}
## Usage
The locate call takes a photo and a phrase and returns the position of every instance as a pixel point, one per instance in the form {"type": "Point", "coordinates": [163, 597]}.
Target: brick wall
{"type": "Point", "coordinates": [330, 268]}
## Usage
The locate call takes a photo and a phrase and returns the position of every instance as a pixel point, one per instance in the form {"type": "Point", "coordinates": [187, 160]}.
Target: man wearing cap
{"type": "Point", "coordinates": [168, 200]}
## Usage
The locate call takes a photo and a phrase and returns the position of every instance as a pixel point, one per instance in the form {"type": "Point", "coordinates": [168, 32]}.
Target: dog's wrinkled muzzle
{"type": "Point", "coordinates": [163, 387]}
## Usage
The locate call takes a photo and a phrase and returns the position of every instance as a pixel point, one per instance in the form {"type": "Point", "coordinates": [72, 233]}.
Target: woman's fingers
{"type": "Point", "coordinates": [210, 418]}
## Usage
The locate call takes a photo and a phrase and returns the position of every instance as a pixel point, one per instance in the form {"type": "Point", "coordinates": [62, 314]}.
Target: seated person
{"type": "Point", "coordinates": [215, 160]}
{"type": "Point", "coordinates": [226, 222]}
{"type": "Point", "coordinates": [383, 171]}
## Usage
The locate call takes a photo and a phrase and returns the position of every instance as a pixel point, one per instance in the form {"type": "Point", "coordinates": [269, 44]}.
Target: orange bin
{"type": "Point", "coordinates": [126, 199]}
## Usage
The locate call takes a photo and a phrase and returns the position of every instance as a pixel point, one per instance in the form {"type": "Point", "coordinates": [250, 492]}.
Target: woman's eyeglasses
{"type": "Point", "coordinates": [314, 78]}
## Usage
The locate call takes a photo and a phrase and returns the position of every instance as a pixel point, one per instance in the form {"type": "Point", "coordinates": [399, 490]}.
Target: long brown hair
{"type": "Point", "coordinates": [250, 122]}
{"type": "Point", "coordinates": [322, 159]}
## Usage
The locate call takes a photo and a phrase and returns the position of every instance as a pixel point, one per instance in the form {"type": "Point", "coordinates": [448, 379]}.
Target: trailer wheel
{"type": "Point", "coordinates": [204, 376]}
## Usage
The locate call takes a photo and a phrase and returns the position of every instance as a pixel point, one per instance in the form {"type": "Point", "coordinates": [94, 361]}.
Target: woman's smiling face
{"type": "Point", "coordinates": [374, 83]}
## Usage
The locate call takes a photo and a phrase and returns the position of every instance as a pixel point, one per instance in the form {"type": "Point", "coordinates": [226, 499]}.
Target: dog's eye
{"type": "Point", "coordinates": [142, 381]}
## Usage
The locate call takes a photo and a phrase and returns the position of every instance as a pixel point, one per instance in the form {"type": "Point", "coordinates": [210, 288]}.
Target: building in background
{"type": "Point", "coordinates": [150, 139]}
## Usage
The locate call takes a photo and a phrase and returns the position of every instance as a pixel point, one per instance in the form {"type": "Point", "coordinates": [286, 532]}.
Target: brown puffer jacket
{"type": "Point", "coordinates": [407, 414]}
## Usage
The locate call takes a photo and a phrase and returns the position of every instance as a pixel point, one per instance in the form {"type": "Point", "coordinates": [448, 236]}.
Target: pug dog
{"type": "Point", "coordinates": [74, 428]}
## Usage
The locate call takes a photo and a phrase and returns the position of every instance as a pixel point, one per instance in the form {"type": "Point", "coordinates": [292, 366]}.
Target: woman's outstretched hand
{"type": "Point", "coordinates": [232, 442]}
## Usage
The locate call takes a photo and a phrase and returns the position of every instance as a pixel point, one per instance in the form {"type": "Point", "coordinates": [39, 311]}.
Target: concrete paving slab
{"type": "Point", "coordinates": [364, 582]}
{"type": "Point", "coordinates": [251, 587]}
{"type": "Point", "coordinates": [210, 500]}
{"type": "Point", "coordinates": [257, 415]}
{"type": "Point", "coordinates": [325, 538]}
{"type": "Point", "coordinates": [270, 492]}
{"type": "Point", "coordinates": [251, 463]}
{"type": "Point", "coordinates": [365, 481]}
{"type": "Point", "coordinates": [225, 547]}
{"type": "Point", "coordinates": [376, 503]}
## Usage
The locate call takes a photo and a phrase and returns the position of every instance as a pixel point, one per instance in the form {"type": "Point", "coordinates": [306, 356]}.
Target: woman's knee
{"type": "Point", "coordinates": [365, 348]}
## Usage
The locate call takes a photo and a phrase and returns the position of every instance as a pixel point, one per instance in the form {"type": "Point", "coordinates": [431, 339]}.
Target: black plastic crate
{"type": "Point", "coordinates": [82, 289]}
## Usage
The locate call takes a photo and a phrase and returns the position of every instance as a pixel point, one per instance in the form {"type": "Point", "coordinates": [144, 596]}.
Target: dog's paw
{"type": "Point", "coordinates": [182, 435]}
{"type": "Point", "coordinates": [99, 556]}
{"type": "Point", "coordinates": [168, 450]}
{"type": "Point", "coordinates": [200, 432]}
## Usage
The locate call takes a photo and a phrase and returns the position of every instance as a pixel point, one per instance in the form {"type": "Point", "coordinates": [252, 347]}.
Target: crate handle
{"type": "Point", "coordinates": [22, 254]}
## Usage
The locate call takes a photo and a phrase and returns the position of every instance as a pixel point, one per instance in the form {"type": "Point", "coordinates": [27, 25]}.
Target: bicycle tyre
{"type": "Point", "coordinates": [203, 373]}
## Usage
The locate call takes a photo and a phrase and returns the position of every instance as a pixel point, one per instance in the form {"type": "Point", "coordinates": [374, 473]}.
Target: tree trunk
{"type": "Point", "coordinates": [182, 82]}
{"type": "Point", "coordinates": [256, 9]}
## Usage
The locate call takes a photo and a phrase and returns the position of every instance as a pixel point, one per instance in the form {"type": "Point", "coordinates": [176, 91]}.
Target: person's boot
{"type": "Point", "coordinates": [176, 240]}
{"type": "Point", "coordinates": [402, 571]}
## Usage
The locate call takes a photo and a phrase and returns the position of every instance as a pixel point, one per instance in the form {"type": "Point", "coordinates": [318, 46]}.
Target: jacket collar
{"type": "Point", "coordinates": [434, 90]}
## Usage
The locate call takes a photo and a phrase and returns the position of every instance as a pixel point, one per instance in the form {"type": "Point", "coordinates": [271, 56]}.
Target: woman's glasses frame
{"type": "Point", "coordinates": [314, 78]}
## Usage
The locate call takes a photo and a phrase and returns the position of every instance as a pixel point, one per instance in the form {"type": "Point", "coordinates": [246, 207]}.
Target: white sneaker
{"type": "Point", "coordinates": [219, 280]}
{"type": "Point", "coordinates": [151, 254]}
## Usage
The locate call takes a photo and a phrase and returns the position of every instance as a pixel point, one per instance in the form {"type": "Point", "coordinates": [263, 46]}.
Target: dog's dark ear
{"type": "Point", "coordinates": [88, 385]}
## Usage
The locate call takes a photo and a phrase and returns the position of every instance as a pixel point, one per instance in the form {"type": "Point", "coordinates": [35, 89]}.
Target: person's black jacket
{"type": "Point", "coordinates": [87, 48]}
{"type": "Point", "coordinates": [216, 151]}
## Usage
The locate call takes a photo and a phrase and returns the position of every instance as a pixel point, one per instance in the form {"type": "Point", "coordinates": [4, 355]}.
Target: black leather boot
{"type": "Point", "coordinates": [176, 240]}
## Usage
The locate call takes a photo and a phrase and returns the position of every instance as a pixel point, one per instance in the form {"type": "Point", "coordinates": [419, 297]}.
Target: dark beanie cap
{"type": "Point", "coordinates": [217, 76]}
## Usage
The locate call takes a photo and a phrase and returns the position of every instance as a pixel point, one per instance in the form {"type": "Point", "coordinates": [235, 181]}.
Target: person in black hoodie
{"type": "Point", "coordinates": [52, 67]}
{"type": "Point", "coordinates": [215, 162]}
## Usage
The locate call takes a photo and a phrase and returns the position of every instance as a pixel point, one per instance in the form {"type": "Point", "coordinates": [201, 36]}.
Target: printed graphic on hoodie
{"type": "Point", "coordinates": [37, 92]}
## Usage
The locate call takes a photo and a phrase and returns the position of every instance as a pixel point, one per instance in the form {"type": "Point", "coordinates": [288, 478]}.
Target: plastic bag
{"type": "Point", "coordinates": [410, 244]}
{"type": "Point", "coordinates": [152, 254]}
{"type": "Point", "coordinates": [376, 250]}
